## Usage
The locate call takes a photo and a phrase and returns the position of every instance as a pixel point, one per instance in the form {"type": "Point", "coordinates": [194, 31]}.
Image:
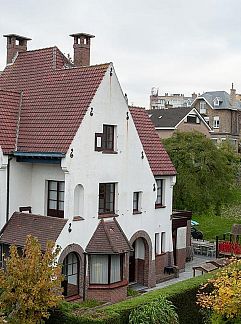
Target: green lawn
{"type": "Point", "coordinates": [212, 225]}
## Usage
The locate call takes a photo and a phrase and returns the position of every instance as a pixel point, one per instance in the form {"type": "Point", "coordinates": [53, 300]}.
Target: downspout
{"type": "Point", "coordinates": [8, 186]}
{"type": "Point", "coordinates": [84, 279]}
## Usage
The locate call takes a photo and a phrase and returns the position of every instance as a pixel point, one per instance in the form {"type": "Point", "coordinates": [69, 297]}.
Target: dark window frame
{"type": "Point", "coordinates": [106, 199]}
{"type": "Point", "coordinates": [109, 270]}
{"type": "Point", "coordinates": [160, 193]}
{"type": "Point", "coordinates": [108, 138]}
{"type": "Point", "coordinates": [55, 212]}
{"type": "Point", "coordinates": [136, 202]}
{"type": "Point", "coordinates": [105, 142]}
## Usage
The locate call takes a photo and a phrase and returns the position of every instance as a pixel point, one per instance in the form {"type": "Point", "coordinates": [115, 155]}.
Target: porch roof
{"type": "Point", "coordinates": [20, 225]}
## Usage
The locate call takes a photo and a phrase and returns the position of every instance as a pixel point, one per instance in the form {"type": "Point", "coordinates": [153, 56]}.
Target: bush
{"type": "Point", "coordinates": [160, 311]}
{"type": "Point", "coordinates": [182, 295]}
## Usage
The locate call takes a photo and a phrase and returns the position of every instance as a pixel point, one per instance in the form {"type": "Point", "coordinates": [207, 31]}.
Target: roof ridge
{"type": "Point", "coordinates": [108, 235]}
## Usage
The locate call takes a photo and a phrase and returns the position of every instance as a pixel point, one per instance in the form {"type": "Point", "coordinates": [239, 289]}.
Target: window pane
{"type": "Point", "coordinates": [61, 186]}
{"type": "Point", "coordinates": [72, 279]}
{"type": "Point", "coordinates": [53, 195]}
{"type": "Point", "coordinates": [52, 204]}
{"type": "Point", "coordinates": [115, 274]}
{"type": "Point", "coordinates": [99, 269]}
{"type": "Point", "coordinates": [61, 196]}
{"type": "Point", "coordinates": [61, 205]}
{"type": "Point", "coordinates": [52, 185]}
{"type": "Point", "coordinates": [75, 268]}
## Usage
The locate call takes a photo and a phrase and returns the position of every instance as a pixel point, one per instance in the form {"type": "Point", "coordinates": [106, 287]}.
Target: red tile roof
{"type": "Point", "coordinates": [9, 108]}
{"type": "Point", "coordinates": [54, 101]}
{"type": "Point", "coordinates": [108, 238]}
{"type": "Point", "coordinates": [157, 156]}
{"type": "Point", "coordinates": [45, 228]}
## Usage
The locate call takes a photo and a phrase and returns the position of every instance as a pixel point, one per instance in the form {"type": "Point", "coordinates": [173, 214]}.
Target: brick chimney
{"type": "Point", "coordinates": [82, 49]}
{"type": "Point", "coordinates": [15, 44]}
{"type": "Point", "coordinates": [232, 96]}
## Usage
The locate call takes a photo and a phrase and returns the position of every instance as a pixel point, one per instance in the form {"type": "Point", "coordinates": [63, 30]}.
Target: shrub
{"type": "Point", "coordinates": [160, 311]}
{"type": "Point", "coordinates": [225, 298]}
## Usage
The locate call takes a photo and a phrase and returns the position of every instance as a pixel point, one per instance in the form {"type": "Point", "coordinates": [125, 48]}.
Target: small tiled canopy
{"type": "Point", "coordinates": [108, 238]}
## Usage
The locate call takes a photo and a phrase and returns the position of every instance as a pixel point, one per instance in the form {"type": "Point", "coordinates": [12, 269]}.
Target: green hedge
{"type": "Point", "coordinates": [181, 294]}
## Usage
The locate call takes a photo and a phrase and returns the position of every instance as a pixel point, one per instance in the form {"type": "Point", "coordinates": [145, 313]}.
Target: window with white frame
{"type": "Point", "coordinates": [216, 122]}
{"type": "Point", "coordinates": [202, 106]}
{"type": "Point", "coordinates": [157, 243]}
{"type": "Point", "coordinates": [160, 183]}
{"type": "Point", "coordinates": [163, 242]}
{"type": "Point", "coordinates": [216, 102]}
{"type": "Point", "coordinates": [106, 269]}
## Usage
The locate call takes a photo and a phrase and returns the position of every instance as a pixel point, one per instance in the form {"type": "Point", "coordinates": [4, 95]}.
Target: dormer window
{"type": "Point", "coordinates": [216, 102]}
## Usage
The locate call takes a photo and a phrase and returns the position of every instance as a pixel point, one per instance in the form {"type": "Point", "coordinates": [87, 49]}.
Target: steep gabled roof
{"type": "Point", "coordinates": [55, 98]}
{"type": "Point", "coordinates": [108, 238]}
{"type": "Point", "coordinates": [20, 225]}
{"type": "Point", "coordinates": [157, 156]}
{"type": "Point", "coordinates": [9, 109]}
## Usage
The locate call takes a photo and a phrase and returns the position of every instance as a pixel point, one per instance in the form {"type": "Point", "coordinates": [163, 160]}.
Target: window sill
{"type": "Point", "coordinates": [137, 212]}
{"type": "Point", "coordinates": [109, 152]}
{"type": "Point", "coordinates": [159, 206]}
{"type": "Point", "coordinates": [160, 254]}
{"type": "Point", "coordinates": [109, 286]}
{"type": "Point", "coordinates": [107, 215]}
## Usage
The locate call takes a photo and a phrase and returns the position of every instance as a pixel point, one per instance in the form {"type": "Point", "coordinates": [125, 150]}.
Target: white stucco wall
{"type": "Point", "coordinates": [88, 168]}
{"type": "Point", "coordinates": [126, 168]}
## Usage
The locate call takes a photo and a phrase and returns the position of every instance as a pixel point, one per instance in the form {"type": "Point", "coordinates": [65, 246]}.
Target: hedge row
{"type": "Point", "coordinates": [181, 294]}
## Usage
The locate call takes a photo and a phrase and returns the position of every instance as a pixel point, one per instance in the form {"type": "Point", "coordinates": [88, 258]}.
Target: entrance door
{"type": "Point", "coordinates": [132, 267]}
{"type": "Point", "coordinates": [174, 239]}
{"type": "Point", "coordinates": [71, 275]}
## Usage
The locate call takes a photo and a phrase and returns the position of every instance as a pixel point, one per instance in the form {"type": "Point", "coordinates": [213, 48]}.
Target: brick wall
{"type": "Point", "coordinates": [112, 295]}
{"type": "Point", "coordinates": [181, 255]}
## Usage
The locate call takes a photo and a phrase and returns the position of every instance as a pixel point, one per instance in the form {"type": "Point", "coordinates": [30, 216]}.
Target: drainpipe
{"type": "Point", "coordinates": [84, 279]}
{"type": "Point", "coordinates": [8, 185]}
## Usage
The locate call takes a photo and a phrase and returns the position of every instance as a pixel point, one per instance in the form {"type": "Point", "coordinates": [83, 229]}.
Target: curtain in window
{"type": "Point", "coordinates": [99, 269]}
{"type": "Point", "coordinates": [115, 274]}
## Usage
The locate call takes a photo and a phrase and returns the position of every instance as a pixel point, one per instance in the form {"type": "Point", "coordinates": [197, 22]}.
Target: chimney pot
{"type": "Point", "coordinates": [15, 44]}
{"type": "Point", "coordinates": [82, 48]}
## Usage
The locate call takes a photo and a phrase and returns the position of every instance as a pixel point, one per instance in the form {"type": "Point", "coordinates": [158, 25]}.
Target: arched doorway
{"type": "Point", "coordinates": [70, 270]}
{"type": "Point", "coordinates": [140, 259]}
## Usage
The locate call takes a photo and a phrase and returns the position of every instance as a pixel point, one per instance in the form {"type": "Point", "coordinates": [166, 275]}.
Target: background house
{"type": "Point", "coordinates": [185, 119]}
{"type": "Point", "coordinates": [72, 150]}
{"type": "Point", "coordinates": [222, 112]}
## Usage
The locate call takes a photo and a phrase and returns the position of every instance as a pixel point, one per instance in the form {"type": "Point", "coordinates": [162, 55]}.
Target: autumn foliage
{"type": "Point", "coordinates": [31, 283]}
{"type": "Point", "coordinates": [224, 300]}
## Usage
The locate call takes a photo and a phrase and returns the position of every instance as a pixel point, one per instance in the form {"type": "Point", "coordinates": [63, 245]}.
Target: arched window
{"type": "Point", "coordinates": [71, 274]}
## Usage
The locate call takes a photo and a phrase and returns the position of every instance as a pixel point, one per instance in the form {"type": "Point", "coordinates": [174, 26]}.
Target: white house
{"type": "Point", "coordinates": [91, 172]}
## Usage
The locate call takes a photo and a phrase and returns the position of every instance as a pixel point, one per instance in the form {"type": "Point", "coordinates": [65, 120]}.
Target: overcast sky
{"type": "Point", "coordinates": [179, 46]}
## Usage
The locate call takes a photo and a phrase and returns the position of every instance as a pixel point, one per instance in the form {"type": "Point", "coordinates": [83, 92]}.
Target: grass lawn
{"type": "Point", "coordinates": [212, 225]}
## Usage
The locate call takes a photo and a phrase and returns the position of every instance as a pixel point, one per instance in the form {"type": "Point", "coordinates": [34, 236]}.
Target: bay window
{"type": "Point", "coordinates": [106, 269]}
